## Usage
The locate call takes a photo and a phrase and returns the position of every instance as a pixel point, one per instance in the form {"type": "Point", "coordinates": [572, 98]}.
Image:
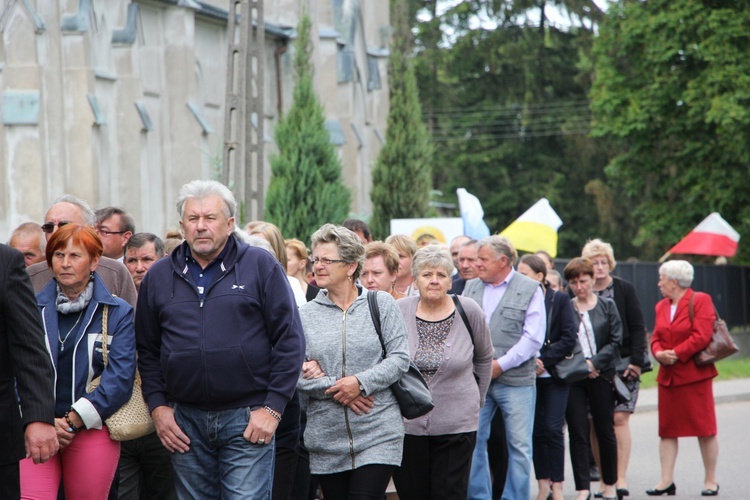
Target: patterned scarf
{"type": "Point", "coordinates": [66, 306]}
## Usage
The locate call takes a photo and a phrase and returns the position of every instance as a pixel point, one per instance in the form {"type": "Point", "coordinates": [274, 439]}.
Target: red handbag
{"type": "Point", "coordinates": [721, 345]}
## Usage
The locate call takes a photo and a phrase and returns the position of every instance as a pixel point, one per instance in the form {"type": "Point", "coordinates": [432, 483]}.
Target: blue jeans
{"type": "Point", "coordinates": [517, 406]}
{"type": "Point", "coordinates": [220, 463]}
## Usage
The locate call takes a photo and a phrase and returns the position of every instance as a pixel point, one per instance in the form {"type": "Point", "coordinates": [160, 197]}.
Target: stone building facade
{"type": "Point", "coordinates": [121, 102]}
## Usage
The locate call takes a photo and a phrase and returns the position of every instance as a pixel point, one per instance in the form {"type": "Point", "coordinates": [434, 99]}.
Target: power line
{"type": "Point", "coordinates": [564, 128]}
{"type": "Point", "coordinates": [515, 115]}
{"type": "Point", "coordinates": [512, 121]}
{"type": "Point", "coordinates": [518, 136]}
{"type": "Point", "coordinates": [513, 107]}
{"type": "Point", "coordinates": [518, 131]}
{"type": "Point", "coordinates": [509, 112]}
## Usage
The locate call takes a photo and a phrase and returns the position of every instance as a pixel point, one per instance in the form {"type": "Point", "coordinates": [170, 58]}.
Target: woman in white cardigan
{"type": "Point", "coordinates": [453, 351]}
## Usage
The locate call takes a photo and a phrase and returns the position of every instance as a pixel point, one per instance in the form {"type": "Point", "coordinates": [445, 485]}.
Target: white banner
{"type": "Point", "coordinates": [443, 229]}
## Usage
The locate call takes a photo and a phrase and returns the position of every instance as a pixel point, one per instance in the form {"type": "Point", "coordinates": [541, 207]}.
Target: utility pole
{"type": "Point", "coordinates": [242, 166]}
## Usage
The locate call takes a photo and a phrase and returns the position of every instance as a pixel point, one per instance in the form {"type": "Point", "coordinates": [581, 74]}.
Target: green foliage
{"type": "Point", "coordinates": [508, 110]}
{"type": "Point", "coordinates": [673, 88]}
{"type": "Point", "coordinates": [306, 188]}
{"type": "Point", "coordinates": [401, 178]}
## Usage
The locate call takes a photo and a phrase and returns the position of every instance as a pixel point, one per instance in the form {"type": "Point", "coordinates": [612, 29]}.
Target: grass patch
{"type": "Point", "coordinates": [730, 368]}
{"type": "Point", "coordinates": [733, 368]}
{"type": "Point", "coordinates": [648, 380]}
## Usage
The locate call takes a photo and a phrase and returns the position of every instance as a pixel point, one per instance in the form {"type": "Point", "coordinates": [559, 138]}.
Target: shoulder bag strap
{"type": "Point", "coordinates": [692, 314]}
{"type": "Point", "coordinates": [586, 328]}
{"type": "Point", "coordinates": [105, 348]}
{"type": "Point", "coordinates": [372, 301]}
{"type": "Point", "coordinates": [461, 311]}
{"type": "Point", "coordinates": [549, 317]}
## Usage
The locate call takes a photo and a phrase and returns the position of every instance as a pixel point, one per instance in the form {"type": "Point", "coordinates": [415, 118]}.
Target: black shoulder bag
{"type": "Point", "coordinates": [572, 367]}
{"type": "Point", "coordinates": [411, 391]}
{"type": "Point", "coordinates": [619, 389]}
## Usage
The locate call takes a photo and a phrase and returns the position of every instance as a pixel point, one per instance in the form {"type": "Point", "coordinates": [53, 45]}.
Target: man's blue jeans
{"type": "Point", "coordinates": [220, 463]}
{"type": "Point", "coordinates": [517, 406]}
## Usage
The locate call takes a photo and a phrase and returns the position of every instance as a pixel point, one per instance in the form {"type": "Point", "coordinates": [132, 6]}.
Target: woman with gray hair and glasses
{"type": "Point", "coordinates": [686, 398]}
{"type": "Point", "coordinates": [449, 341]}
{"type": "Point", "coordinates": [354, 428]}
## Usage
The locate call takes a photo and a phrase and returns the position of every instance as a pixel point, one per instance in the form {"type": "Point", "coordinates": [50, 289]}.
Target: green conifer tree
{"type": "Point", "coordinates": [306, 188]}
{"type": "Point", "coordinates": [401, 179]}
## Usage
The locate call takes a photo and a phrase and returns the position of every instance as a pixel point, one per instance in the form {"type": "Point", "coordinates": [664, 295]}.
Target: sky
{"type": "Point", "coordinates": [554, 15]}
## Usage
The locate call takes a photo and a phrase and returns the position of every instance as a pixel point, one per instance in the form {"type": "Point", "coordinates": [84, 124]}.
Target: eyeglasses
{"type": "Point", "coordinates": [326, 262]}
{"type": "Point", "coordinates": [49, 227]}
{"type": "Point", "coordinates": [109, 233]}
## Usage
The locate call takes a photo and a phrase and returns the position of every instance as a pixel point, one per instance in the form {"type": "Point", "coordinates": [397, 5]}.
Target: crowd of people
{"type": "Point", "coordinates": [267, 366]}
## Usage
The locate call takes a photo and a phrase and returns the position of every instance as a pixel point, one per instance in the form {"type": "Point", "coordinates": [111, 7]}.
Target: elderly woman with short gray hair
{"type": "Point", "coordinates": [686, 399]}
{"type": "Point", "coordinates": [453, 351]}
{"type": "Point", "coordinates": [354, 428]}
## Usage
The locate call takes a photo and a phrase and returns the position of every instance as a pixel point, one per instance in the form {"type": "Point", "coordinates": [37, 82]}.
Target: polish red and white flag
{"type": "Point", "coordinates": [713, 236]}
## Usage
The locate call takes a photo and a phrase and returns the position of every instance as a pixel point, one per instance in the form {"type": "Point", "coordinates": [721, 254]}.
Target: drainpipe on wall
{"type": "Point", "coordinates": [277, 57]}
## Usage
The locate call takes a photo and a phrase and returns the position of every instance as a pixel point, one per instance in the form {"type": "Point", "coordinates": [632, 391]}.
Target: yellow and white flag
{"type": "Point", "coordinates": [536, 229]}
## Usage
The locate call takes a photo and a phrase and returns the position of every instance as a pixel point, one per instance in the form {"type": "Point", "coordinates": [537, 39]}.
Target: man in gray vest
{"type": "Point", "coordinates": [514, 305]}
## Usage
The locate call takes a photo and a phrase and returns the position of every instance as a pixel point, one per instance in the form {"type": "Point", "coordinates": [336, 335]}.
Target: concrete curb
{"type": "Point", "coordinates": [725, 391]}
{"type": "Point", "coordinates": [732, 398]}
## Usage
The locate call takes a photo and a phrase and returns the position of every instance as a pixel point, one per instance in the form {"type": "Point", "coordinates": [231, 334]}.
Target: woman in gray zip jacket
{"type": "Point", "coordinates": [354, 428]}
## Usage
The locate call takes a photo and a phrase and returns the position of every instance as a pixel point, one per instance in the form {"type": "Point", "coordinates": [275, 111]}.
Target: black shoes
{"type": "Point", "coordinates": [621, 493]}
{"type": "Point", "coordinates": [710, 493]}
{"type": "Point", "coordinates": [594, 473]}
{"type": "Point", "coordinates": [670, 490]}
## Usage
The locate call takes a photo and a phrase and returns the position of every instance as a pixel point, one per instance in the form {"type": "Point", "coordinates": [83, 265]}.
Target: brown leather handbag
{"type": "Point", "coordinates": [721, 345]}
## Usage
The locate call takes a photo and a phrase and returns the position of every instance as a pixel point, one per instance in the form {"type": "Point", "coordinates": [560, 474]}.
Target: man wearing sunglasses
{"type": "Point", "coordinates": [69, 209]}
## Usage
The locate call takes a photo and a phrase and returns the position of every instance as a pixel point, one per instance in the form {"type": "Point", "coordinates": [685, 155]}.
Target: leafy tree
{"type": "Point", "coordinates": [507, 103]}
{"type": "Point", "coordinates": [401, 178]}
{"type": "Point", "coordinates": [306, 188]}
{"type": "Point", "coordinates": [673, 86]}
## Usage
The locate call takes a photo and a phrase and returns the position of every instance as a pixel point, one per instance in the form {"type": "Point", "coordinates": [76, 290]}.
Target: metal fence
{"type": "Point", "coordinates": [729, 286]}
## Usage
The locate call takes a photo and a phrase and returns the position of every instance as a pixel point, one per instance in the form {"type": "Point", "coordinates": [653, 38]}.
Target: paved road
{"type": "Point", "coordinates": [734, 456]}
{"type": "Point", "coordinates": [733, 414]}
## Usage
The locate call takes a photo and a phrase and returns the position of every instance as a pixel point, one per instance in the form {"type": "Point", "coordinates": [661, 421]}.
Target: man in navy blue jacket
{"type": "Point", "coordinates": [220, 349]}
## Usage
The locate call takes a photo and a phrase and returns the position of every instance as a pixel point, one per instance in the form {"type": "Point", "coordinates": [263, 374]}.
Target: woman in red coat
{"type": "Point", "coordinates": [686, 400]}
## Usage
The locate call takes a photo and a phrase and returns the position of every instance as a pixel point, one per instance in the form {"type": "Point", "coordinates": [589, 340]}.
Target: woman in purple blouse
{"type": "Point", "coordinates": [449, 341]}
